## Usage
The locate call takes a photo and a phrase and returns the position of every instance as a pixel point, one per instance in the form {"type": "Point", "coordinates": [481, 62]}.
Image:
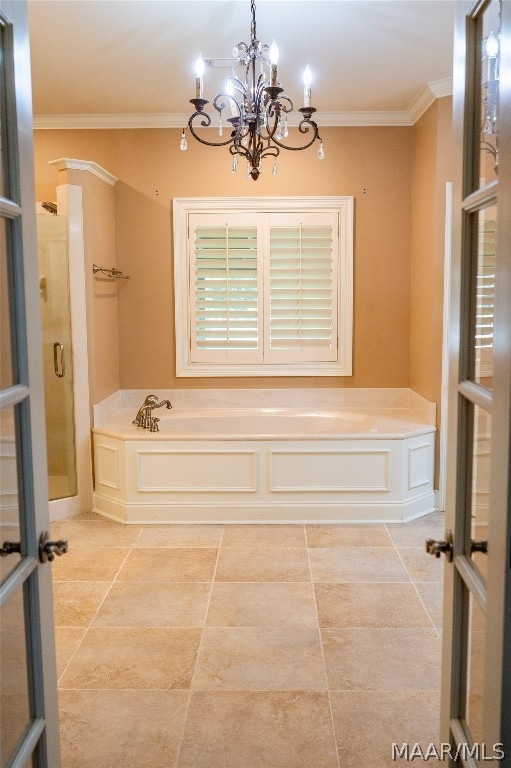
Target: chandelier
{"type": "Point", "coordinates": [491, 75]}
{"type": "Point", "coordinates": [258, 107]}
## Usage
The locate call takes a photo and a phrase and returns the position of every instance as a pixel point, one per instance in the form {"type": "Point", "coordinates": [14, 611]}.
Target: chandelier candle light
{"type": "Point", "coordinates": [258, 107]}
{"type": "Point", "coordinates": [491, 76]}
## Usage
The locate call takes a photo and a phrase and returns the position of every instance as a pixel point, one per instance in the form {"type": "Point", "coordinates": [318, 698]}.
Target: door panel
{"type": "Point", "coordinates": [476, 679]}
{"type": "Point", "coordinates": [15, 709]}
{"type": "Point", "coordinates": [28, 697]}
{"type": "Point", "coordinates": [10, 520]}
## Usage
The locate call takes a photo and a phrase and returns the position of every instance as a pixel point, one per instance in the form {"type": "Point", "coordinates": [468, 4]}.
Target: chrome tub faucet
{"type": "Point", "coordinates": [145, 418]}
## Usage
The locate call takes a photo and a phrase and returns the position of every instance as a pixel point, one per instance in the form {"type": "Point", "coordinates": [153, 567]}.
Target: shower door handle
{"type": "Point", "coordinates": [59, 365]}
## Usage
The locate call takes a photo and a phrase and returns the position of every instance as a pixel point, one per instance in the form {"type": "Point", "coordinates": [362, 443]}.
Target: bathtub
{"type": "Point", "coordinates": [339, 459]}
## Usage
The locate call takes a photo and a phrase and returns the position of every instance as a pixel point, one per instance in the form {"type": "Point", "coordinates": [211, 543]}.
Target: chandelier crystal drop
{"type": "Point", "coordinates": [257, 104]}
{"type": "Point", "coordinates": [491, 78]}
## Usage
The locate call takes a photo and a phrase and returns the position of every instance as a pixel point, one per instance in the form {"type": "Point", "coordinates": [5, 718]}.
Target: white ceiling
{"type": "Point", "coordinates": [131, 62]}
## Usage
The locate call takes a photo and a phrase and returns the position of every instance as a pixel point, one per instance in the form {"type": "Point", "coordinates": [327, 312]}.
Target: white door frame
{"type": "Point", "coordinates": [444, 397]}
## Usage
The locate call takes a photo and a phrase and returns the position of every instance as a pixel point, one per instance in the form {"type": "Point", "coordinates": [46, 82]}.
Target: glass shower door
{"type": "Point", "coordinates": [57, 354]}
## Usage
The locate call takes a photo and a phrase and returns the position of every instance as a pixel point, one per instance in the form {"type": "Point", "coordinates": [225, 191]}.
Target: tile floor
{"type": "Point", "coordinates": [246, 646]}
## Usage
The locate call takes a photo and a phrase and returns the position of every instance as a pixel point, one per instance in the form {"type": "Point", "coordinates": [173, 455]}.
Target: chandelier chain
{"type": "Point", "coordinates": [253, 35]}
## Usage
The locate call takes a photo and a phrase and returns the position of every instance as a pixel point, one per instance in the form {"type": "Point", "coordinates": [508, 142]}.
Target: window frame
{"type": "Point", "coordinates": [343, 207]}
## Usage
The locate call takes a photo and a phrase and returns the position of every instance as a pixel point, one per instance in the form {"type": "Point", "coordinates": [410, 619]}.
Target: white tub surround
{"type": "Point", "coordinates": [247, 456]}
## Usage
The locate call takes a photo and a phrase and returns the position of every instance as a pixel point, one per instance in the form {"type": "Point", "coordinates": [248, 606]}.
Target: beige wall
{"type": "Point", "coordinates": [432, 170]}
{"type": "Point", "coordinates": [373, 164]}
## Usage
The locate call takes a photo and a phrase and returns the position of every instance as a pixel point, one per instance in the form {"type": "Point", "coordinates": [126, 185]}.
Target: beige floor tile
{"type": "Point", "coordinates": [154, 604]}
{"type": "Point", "coordinates": [421, 566]}
{"type": "Point", "coordinates": [67, 640]}
{"type": "Point", "coordinates": [76, 602]}
{"type": "Point", "coordinates": [415, 533]}
{"type": "Point", "coordinates": [105, 729]}
{"type": "Point", "coordinates": [347, 536]}
{"type": "Point", "coordinates": [261, 535]}
{"type": "Point", "coordinates": [134, 658]}
{"type": "Point", "coordinates": [382, 659]}
{"type": "Point", "coordinates": [180, 536]}
{"type": "Point", "coordinates": [354, 564]}
{"type": "Point", "coordinates": [15, 713]}
{"type": "Point", "coordinates": [169, 565]}
{"type": "Point", "coordinates": [432, 594]}
{"type": "Point", "coordinates": [101, 533]}
{"type": "Point", "coordinates": [262, 605]}
{"type": "Point", "coordinates": [263, 659]}
{"type": "Point", "coordinates": [367, 723]}
{"type": "Point", "coordinates": [88, 564]}
{"type": "Point", "coordinates": [370, 605]}
{"type": "Point", "coordinates": [257, 564]}
{"type": "Point", "coordinates": [258, 730]}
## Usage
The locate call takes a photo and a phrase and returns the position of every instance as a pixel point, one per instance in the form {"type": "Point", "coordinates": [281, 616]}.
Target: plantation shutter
{"type": "Point", "coordinates": [301, 317]}
{"type": "Point", "coordinates": [485, 297]}
{"type": "Point", "coordinates": [225, 284]}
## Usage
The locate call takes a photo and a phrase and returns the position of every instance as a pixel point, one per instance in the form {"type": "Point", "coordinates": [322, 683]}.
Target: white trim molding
{"type": "Point", "coordinates": [84, 165]}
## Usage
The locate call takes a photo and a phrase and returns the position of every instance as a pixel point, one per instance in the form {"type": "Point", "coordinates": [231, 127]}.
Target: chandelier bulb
{"type": "Point", "coordinates": [492, 46]}
{"type": "Point", "coordinates": [199, 72]}
{"type": "Point", "coordinates": [307, 80]}
{"type": "Point", "coordinates": [274, 60]}
{"type": "Point", "coordinates": [183, 146]}
{"type": "Point", "coordinates": [199, 66]}
{"type": "Point", "coordinates": [274, 53]}
{"type": "Point", "coordinates": [321, 152]}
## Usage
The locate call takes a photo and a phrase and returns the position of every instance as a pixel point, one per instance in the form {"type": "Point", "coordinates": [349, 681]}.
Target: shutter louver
{"type": "Point", "coordinates": [302, 311]}
{"type": "Point", "coordinates": [226, 288]}
{"type": "Point", "coordinates": [485, 296]}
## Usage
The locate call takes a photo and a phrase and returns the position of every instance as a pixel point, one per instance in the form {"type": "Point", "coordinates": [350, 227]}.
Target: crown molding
{"type": "Point", "coordinates": [425, 98]}
{"type": "Point", "coordinates": [180, 121]}
{"type": "Point", "coordinates": [84, 165]}
{"type": "Point", "coordinates": [432, 91]}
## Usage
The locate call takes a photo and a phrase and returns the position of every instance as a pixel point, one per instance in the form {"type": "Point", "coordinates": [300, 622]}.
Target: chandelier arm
{"type": "Point", "coordinates": [205, 123]}
{"type": "Point", "coordinates": [303, 129]}
{"type": "Point", "coordinates": [270, 151]}
{"type": "Point", "coordinates": [489, 148]}
{"type": "Point", "coordinates": [217, 98]}
{"type": "Point", "coordinates": [283, 107]}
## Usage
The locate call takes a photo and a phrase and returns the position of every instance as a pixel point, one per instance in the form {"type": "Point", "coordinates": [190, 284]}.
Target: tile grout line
{"type": "Point", "coordinates": [187, 708]}
{"type": "Point", "coordinates": [89, 625]}
{"type": "Point", "coordinates": [334, 734]}
{"type": "Point", "coordinates": [415, 585]}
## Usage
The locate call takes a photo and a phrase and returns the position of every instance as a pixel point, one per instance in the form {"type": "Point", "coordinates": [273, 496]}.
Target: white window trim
{"type": "Point", "coordinates": [183, 207]}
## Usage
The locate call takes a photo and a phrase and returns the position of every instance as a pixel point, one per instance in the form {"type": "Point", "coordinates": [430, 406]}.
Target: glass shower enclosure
{"type": "Point", "coordinates": [57, 354]}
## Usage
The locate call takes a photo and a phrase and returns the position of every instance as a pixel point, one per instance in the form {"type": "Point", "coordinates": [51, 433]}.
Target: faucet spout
{"type": "Point", "coordinates": [144, 416]}
{"type": "Point", "coordinates": [166, 403]}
